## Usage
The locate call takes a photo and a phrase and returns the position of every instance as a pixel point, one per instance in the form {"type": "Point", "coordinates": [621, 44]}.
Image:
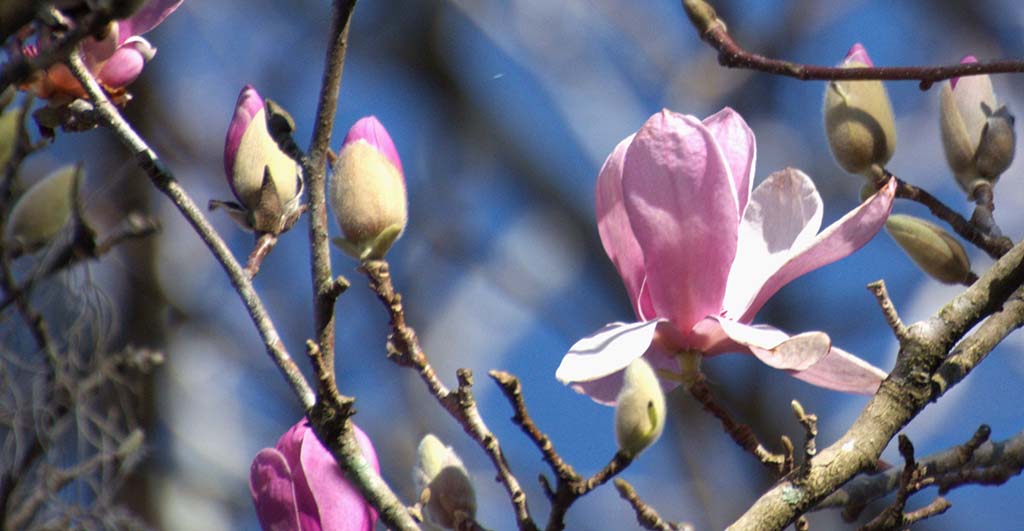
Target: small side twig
{"type": "Point", "coordinates": [646, 516]}
{"type": "Point", "coordinates": [742, 434]}
{"type": "Point", "coordinates": [809, 421]}
{"type": "Point", "coordinates": [911, 480]}
{"type": "Point", "coordinates": [265, 242]}
{"type": "Point", "coordinates": [888, 309]}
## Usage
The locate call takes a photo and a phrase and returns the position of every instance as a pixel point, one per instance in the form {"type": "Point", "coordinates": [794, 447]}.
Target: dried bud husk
{"type": "Point", "coordinates": [368, 191]}
{"type": "Point", "coordinates": [451, 497]}
{"type": "Point", "coordinates": [977, 134]}
{"type": "Point", "coordinates": [933, 249]}
{"type": "Point", "coordinates": [42, 211]}
{"type": "Point", "coordinates": [639, 409]}
{"type": "Point", "coordinates": [859, 123]}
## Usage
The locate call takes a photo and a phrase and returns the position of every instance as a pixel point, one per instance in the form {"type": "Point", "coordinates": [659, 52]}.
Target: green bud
{"type": "Point", "coordinates": [9, 129]}
{"type": "Point", "coordinates": [934, 250]}
{"type": "Point", "coordinates": [859, 123]}
{"type": "Point", "coordinates": [977, 134]}
{"type": "Point", "coordinates": [440, 474]}
{"type": "Point", "coordinates": [639, 409]}
{"type": "Point", "coordinates": [43, 210]}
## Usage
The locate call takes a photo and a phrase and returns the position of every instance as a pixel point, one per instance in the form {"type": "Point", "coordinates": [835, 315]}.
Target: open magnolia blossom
{"type": "Point", "coordinates": [700, 253]}
{"type": "Point", "coordinates": [116, 59]}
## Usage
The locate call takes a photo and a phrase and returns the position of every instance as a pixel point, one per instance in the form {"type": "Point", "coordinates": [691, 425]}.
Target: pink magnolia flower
{"type": "Point", "coordinates": [297, 486]}
{"type": "Point", "coordinates": [116, 60]}
{"type": "Point", "coordinates": [700, 253]}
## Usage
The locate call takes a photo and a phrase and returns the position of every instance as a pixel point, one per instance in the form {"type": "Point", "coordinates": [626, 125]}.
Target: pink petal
{"type": "Point", "coordinates": [775, 348]}
{"type": "Point", "coordinates": [338, 504]}
{"type": "Point", "coordinates": [607, 352]}
{"type": "Point", "coordinates": [784, 214]}
{"type": "Point", "coordinates": [146, 18]}
{"type": "Point", "coordinates": [248, 104]}
{"type": "Point", "coordinates": [737, 143]}
{"type": "Point", "coordinates": [837, 241]}
{"type": "Point", "coordinates": [858, 54]}
{"type": "Point", "coordinates": [96, 52]}
{"type": "Point", "coordinates": [842, 371]}
{"type": "Point", "coordinates": [681, 201]}
{"type": "Point", "coordinates": [613, 225]}
{"type": "Point", "coordinates": [372, 131]}
{"type": "Point", "coordinates": [126, 64]}
{"type": "Point", "coordinates": [968, 59]}
{"type": "Point", "coordinates": [273, 495]}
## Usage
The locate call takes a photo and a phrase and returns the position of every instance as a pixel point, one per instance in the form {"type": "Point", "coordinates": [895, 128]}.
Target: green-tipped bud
{"type": "Point", "coordinates": [639, 409]}
{"type": "Point", "coordinates": [977, 133]}
{"type": "Point", "coordinates": [858, 119]}
{"type": "Point", "coordinates": [934, 250]}
{"type": "Point", "coordinates": [42, 211]}
{"type": "Point", "coordinates": [9, 126]}
{"type": "Point", "coordinates": [440, 474]}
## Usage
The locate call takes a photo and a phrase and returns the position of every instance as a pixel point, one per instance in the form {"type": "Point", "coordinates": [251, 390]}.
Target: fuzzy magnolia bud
{"type": "Point", "coordinates": [368, 191]}
{"type": "Point", "coordinates": [931, 248]}
{"type": "Point", "coordinates": [639, 409]}
{"type": "Point", "coordinates": [977, 133]}
{"type": "Point", "coordinates": [859, 124]}
{"type": "Point", "coordinates": [266, 181]}
{"type": "Point", "coordinates": [451, 496]}
{"type": "Point", "coordinates": [42, 211]}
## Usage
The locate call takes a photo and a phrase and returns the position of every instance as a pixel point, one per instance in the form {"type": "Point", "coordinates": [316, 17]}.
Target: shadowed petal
{"type": "Point", "coordinates": [841, 371]}
{"type": "Point", "coordinates": [270, 484]}
{"type": "Point", "coordinates": [681, 202]}
{"type": "Point", "coordinates": [837, 241]}
{"type": "Point", "coordinates": [126, 63]}
{"type": "Point", "coordinates": [784, 214]}
{"type": "Point", "coordinates": [605, 352]}
{"type": "Point", "coordinates": [146, 18]}
{"type": "Point", "coordinates": [340, 506]}
{"type": "Point", "coordinates": [737, 143]}
{"type": "Point", "coordinates": [613, 224]}
{"type": "Point", "coordinates": [775, 348]}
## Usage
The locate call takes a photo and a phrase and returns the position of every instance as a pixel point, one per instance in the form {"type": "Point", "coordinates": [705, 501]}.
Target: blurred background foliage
{"type": "Point", "coordinates": [502, 112]}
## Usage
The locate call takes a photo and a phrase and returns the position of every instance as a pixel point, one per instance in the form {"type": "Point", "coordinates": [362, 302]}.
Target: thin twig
{"type": "Point", "coordinates": [646, 516]}
{"type": "Point", "coordinates": [731, 55]}
{"type": "Point", "coordinates": [741, 434]}
{"type": "Point", "coordinates": [888, 308]}
{"type": "Point", "coordinates": [404, 349]}
{"type": "Point", "coordinates": [264, 244]}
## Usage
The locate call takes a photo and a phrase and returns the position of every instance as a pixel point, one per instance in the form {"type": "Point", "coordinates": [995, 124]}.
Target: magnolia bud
{"type": "Point", "coordinates": [451, 496]}
{"type": "Point", "coordinates": [931, 248]}
{"type": "Point", "coordinates": [639, 409]}
{"type": "Point", "coordinates": [42, 211]}
{"type": "Point", "coordinates": [977, 134]}
{"type": "Point", "coordinates": [266, 181]}
{"type": "Point", "coordinates": [10, 126]}
{"type": "Point", "coordinates": [859, 124]}
{"type": "Point", "coordinates": [368, 191]}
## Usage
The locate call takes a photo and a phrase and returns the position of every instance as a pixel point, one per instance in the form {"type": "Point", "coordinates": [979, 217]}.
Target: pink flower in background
{"type": "Point", "coordinates": [700, 253]}
{"type": "Point", "coordinates": [116, 60]}
{"type": "Point", "coordinates": [297, 485]}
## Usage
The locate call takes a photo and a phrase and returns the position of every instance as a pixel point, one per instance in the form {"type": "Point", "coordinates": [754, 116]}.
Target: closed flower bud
{"type": "Point", "coordinates": [266, 181]}
{"type": "Point", "coordinates": [977, 134]}
{"type": "Point", "coordinates": [931, 248]}
{"type": "Point", "coordinates": [451, 497]}
{"type": "Point", "coordinates": [859, 124]}
{"type": "Point", "coordinates": [42, 211]}
{"type": "Point", "coordinates": [639, 409]}
{"type": "Point", "coordinates": [368, 191]}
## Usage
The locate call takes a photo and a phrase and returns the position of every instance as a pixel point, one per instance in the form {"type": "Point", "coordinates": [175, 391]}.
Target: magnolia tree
{"type": "Point", "coordinates": [700, 238]}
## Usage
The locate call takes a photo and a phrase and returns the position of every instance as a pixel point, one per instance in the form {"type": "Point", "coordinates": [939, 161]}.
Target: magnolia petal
{"type": "Point", "coordinates": [681, 201]}
{"type": "Point", "coordinates": [841, 371]}
{"type": "Point", "coordinates": [837, 241]}
{"type": "Point", "coordinates": [339, 505]}
{"type": "Point", "coordinates": [605, 353]}
{"type": "Point", "coordinates": [775, 348]}
{"type": "Point", "coordinates": [373, 132]}
{"type": "Point", "coordinates": [126, 64]}
{"type": "Point", "coordinates": [737, 142]}
{"type": "Point", "coordinates": [784, 214]}
{"type": "Point", "coordinates": [247, 105]}
{"type": "Point", "coordinates": [613, 224]}
{"type": "Point", "coordinates": [146, 18]}
{"type": "Point", "coordinates": [272, 491]}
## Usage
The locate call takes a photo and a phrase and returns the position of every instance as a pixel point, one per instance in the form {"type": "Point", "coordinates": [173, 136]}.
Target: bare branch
{"type": "Point", "coordinates": [646, 516]}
